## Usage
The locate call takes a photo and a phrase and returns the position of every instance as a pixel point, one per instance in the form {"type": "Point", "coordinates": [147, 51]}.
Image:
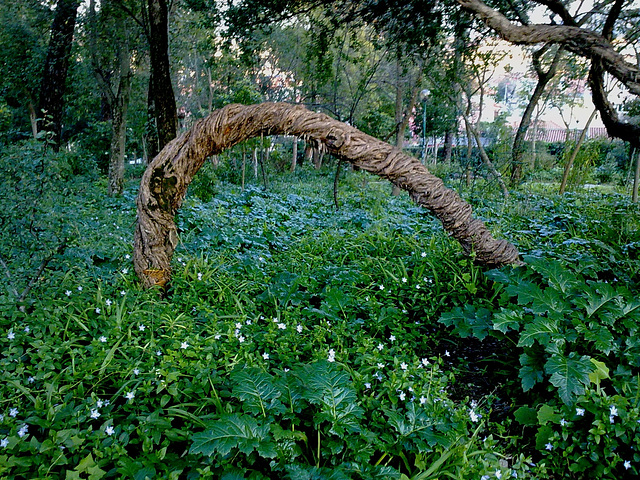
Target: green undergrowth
{"type": "Point", "coordinates": [302, 341]}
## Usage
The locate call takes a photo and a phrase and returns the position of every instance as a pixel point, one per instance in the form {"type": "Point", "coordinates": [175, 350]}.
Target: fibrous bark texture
{"type": "Point", "coordinates": [167, 177]}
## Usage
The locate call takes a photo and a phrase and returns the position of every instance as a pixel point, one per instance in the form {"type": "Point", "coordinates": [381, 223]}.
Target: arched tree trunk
{"type": "Point", "coordinates": [166, 179]}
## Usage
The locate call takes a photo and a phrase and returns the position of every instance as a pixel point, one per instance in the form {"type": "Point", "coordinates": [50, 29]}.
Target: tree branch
{"type": "Point", "coordinates": [581, 41]}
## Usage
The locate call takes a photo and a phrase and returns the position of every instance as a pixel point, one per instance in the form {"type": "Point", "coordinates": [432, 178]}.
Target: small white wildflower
{"type": "Point", "coordinates": [423, 400]}
{"type": "Point", "coordinates": [238, 326]}
{"type": "Point", "coordinates": [423, 254]}
{"type": "Point", "coordinates": [23, 430]}
{"type": "Point", "coordinates": [136, 371]}
{"type": "Point", "coordinates": [627, 465]}
{"type": "Point", "coordinates": [108, 302]}
{"type": "Point", "coordinates": [241, 339]}
{"type": "Point", "coordinates": [485, 477]}
{"type": "Point", "coordinates": [11, 335]}
{"type": "Point", "coordinates": [299, 328]}
{"type": "Point", "coordinates": [402, 396]}
{"type": "Point", "coordinates": [199, 276]}
{"type": "Point", "coordinates": [125, 271]}
{"type": "Point", "coordinates": [474, 416]}
{"type": "Point", "coordinates": [97, 310]}
{"type": "Point", "coordinates": [613, 410]}
{"type": "Point", "coordinates": [31, 380]}
{"type": "Point", "coordinates": [79, 288]}
{"type": "Point", "coordinates": [392, 338]}
{"type": "Point", "coordinates": [109, 430]}
{"type": "Point", "coordinates": [265, 355]}
{"type": "Point", "coordinates": [127, 256]}
{"type": "Point", "coordinates": [141, 327]}
{"type": "Point", "coordinates": [102, 339]}
{"type": "Point", "coordinates": [367, 385]}
{"type": "Point", "coordinates": [498, 474]}
{"type": "Point", "coordinates": [418, 286]}
{"type": "Point", "coordinates": [67, 293]}
{"type": "Point", "coordinates": [159, 353]}
{"type": "Point", "coordinates": [260, 259]}
{"type": "Point", "coordinates": [425, 362]}
{"type": "Point", "coordinates": [130, 395]}
{"type": "Point", "coordinates": [248, 322]}
{"type": "Point", "coordinates": [99, 403]}
{"type": "Point", "coordinates": [217, 336]}
{"type": "Point", "coordinates": [380, 347]}
{"type": "Point", "coordinates": [4, 443]}
{"type": "Point", "coordinates": [123, 293]}
{"type": "Point", "coordinates": [548, 446]}
{"type": "Point", "coordinates": [404, 279]}
{"type": "Point", "coordinates": [563, 422]}
{"type": "Point", "coordinates": [381, 287]}
{"type": "Point", "coordinates": [380, 365]}
{"type": "Point", "coordinates": [27, 329]}
{"type": "Point", "coordinates": [95, 413]}
{"type": "Point", "coordinates": [403, 366]}
{"type": "Point", "coordinates": [580, 412]}
{"type": "Point", "coordinates": [13, 412]}
{"type": "Point", "coordinates": [612, 419]}
{"type": "Point", "coordinates": [282, 326]}
{"type": "Point", "coordinates": [184, 345]}
{"type": "Point", "coordinates": [332, 356]}
{"type": "Point", "coordinates": [446, 353]}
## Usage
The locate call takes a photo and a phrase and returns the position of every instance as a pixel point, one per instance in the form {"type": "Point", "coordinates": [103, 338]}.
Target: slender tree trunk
{"type": "Point", "coordinates": [33, 119]}
{"type": "Point", "coordinates": [636, 178]}
{"type": "Point", "coordinates": [119, 122]}
{"type": "Point", "coordinates": [518, 150]}
{"type": "Point", "coordinates": [574, 154]}
{"type": "Point", "coordinates": [294, 155]}
{"type": "Point", "coordinates": [165, 181]}
{"type": "Point", "coordinates": [54, 77]}
{"type": "Point", "coordinates": [161, 102]}
{"type": "Point", "coordinates": [448, 146]}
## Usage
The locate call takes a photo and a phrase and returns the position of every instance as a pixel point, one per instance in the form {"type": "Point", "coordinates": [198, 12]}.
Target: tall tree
{"type": "Point", "coordinates": [54, 76]}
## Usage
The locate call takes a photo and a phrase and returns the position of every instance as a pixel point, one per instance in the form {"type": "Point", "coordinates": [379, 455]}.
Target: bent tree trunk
{"type": "Point", "coordinates": [167, 177]}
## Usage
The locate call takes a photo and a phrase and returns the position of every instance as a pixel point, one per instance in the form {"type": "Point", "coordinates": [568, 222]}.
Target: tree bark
{"type": "Point", "coordinates": [161, 102]}
{"type": "Point", "coordinates": [518, 150]}
{"type": "Point", "coordinates": [54, 77]}
{"type": "Point", "coordinates": [294, 155]}
{"type": "Point", "coordinates": [636, 178]}
{"type": "Point", "coordinates": [166, 179]}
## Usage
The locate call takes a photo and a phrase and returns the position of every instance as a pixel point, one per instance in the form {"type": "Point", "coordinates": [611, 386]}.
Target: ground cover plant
{"type": "Point", "coordinates": [300, 341]}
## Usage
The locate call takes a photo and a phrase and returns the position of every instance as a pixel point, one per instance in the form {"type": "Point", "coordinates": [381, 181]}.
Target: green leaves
{"type": "Point", "coordinates": [257, 390]}
{"type": "Point", "coordinates": [569, 374]}
{"type": "Point", "coordinates": [234, 431]}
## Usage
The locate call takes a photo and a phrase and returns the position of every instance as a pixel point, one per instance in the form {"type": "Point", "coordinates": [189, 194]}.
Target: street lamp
{"type": "Point", "coordinates": [424, 94]}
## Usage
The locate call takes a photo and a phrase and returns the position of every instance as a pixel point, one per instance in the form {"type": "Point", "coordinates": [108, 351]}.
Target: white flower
{"type": "Point", "coordinates": [109, 430]}
{"type": "Point", "coordinates": [238, 326]}
{"type": "Point", "coordinates": [11, 335]}
{"type": "Point", "coordinates": [380, 347]}
{"type": "Point", "coordinates": [299, 328]}
{"type": "Point", "coordinates": [102, 339]}
{"type": "Point", "coordinates": [241, 339]}
{"type": "Point", "coordinates": [127, 256]}
{"type": "Point", "coordinates": [184, 345]}
{"type": "Point", "coordinates": [130, 395]}
{"type": "Point", "coordinates": [95, 413]}
{"type": "Point", "coordinates": [484, 477]}
{"type": "Point", "coordinates": [423, 254]}
{"type": "Point", "coordinates": [248, 322]}
{"type": "Point", "coordinates": [23, 430]}
{"type": "Point", "coordinates": [474, 416]}
{"type": "Point", "coordinates": [125, 271]}
{"type": "Point", "coordinates": [217, 336]}
{"type": "Point", "coordinates": [627, 464]}
{"type": "Point", "coordinates": [380, 366]}
{"type": "Point", "coordinates": [68, 293]}
{"type": "Point", "coordinates": [423, 400]}
{"type": "Point", "coordinates": [282, 326]}
{"type": "Point", "coordinates": [498, 474]}
{"type": "Point", "coordinates": [13, 412]}
{"type": "Point", "coordinates": [612, 419]}
{"type": "Point", "coordinates": [367, 385]}
{"type": "Point", "coordinates": [381, 287]}
{"type": "Point", "coordinates": [99, 403]}
{"type": "Point", "coordinates": [563, 422]}
{"type": "Point", "coordinates": [392, 338]}
{"type": "Point", "coordinates": [446, 353]}
{"type": "Point", "coordinates": [425, 362]}
{"type": "Point", "coordinates": [403, 366]}
{"type": "Point", "coordinates": [80, 288]}
{"type": "Point", "coordinates": [265, 355]}
{"type": "Point", "coordinates": [402, 396]}
{"type": "Point", "coordinates": [123, 293]}
{"type": "Point", "coordinates": [136, 371]}
{"type": "Point", "coordinates": [31, 380]}
{"type": "Point", "coordinates": [580, 412]}
{"type": "Point", "coordinates": [404, 279]}
{"type": "Point", "coordinates": [97, 310]}
{"type": "Point", "coordinates": [4, 443]}
{"type": "Point", "coordinates": [548, 446]}
{"type": "Point", "coordinates": [332, 356]}
{"type": "Point", "coordinates": [27, 329]}
{"type": "Point", "coordinates": [108, 302]}
{"type": "Point", "coordinates": [199, 276]}
{"type": "Point", "coordinates": [159, 353]}
{"type": "Point", "coordinates": [613, 411]}
{"type": "Point", "coordinates": [141, 327]}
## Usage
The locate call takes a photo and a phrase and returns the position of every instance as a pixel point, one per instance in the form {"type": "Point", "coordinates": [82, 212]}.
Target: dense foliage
{"type": "Point", "coordinates": [299, 341]}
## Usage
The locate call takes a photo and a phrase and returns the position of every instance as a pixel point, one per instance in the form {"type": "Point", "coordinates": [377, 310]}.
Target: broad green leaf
{"type": "Point", "coordinates": [556, 274]}
{"type": "Point", "coordinates": [470, 321]}
{"type": "Point", "coordinates": [541, 329]}
{"type": "Point", "coordinates": [526, 416]}
{"type": "Point", "coordinates": [530, 372]}
{"type": "Point", "coordinates": [257, 390]}
{"type": "Point", "coordinates": [547, 414]}
{"type": "Point", "coordinates": [596, 297]}
{"type": "Point", "coordinates": [569, 374]}
{"type": "Point", "coordinates": [506, 320]}
{"type": "Point", "coordinates": [600, 373]}
{"type": "Point", "coordinates": [234, 431]}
